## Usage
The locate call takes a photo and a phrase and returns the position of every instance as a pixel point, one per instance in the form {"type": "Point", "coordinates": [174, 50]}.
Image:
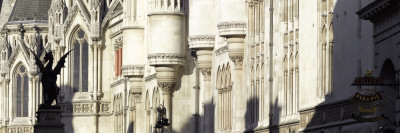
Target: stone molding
{"type": "Point", "coordinates": [118, 42]}
{"type": "Point", "coordinates": [166, 59]}
{"type": "Point", "coordinates": [118, 82]}
{"type": "Point", "coordinates": [233, 28]}
{"type": "Point", "coordinates": [86, 108]}
{"type": "Point", "coordinates": [238, 61]}
{"type": "Point", "coordinates": [221, 50]}
{"type": "Point", "coordinates": [132, 70]}
{"type": "Point", "coordinates": [225, 89]}
{"type": "Point", "coordinates": [150, 77]}
{"type": "Point", "coordinates": [58, 30]}
{"type": "Point", "coordinates": [326, 113]}
{"type": "Point", "coordinates": [15, 29]}
{"type": "Point", "coordinates": [166, 87]}
{"type": "Point", "coordinates": [166, 7]}
{"type": "Point", "coordinates": [13, 56]}
{"type": "Point", "coordinates": [201, 41]}
{"type": "Point", "coordinates": [4, 69]}
{"type": "Point", "coordinates": [77, 8]}
{"type": "Point", "coordinates": [20, 129]}
{"type": "Point", "coordinates": [115, 10]}
{"type": "Point", "coordinates": [375, 8]}
{"type": "Point", "coordinates": [137, 96]}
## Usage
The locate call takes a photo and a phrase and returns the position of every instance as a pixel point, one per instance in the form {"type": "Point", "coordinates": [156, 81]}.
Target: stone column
{"type": "Point", "coordinates": [208, 103]}
{"type": "Point", "coordinates": [134, 74]}
{"type": "Point", "coordinates": [7, 108]}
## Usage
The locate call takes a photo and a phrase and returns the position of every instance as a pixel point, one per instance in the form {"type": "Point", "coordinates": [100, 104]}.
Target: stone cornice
{"type": "Point", "coordinates": [201, 41]}
{"type": "Point", "coordinates": [372, 10]}
{"type": "Point", "coordinates": [132, 70]}
{"type": "Point", "coordinates": [166, 59]}
{"type": "Point", "coordinates": [232, 28]}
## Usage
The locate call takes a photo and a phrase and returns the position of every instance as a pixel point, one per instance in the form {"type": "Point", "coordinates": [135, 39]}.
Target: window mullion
{"type": "Point", "coordinates": [80, 67]}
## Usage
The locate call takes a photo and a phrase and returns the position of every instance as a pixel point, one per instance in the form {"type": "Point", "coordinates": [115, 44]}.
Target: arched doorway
{"type": "Point", "coordinates": [389, 95]}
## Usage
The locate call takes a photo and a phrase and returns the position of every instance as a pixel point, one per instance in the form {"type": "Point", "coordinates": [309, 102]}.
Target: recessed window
{"type": "Point", "coordinates": [80, 62]}
{"type": "Point", "coordinates": [21, 92]}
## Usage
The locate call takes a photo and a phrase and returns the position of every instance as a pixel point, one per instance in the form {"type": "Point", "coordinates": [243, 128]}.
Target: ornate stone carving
{"type": "Point", "coordinates": [151, 77]}
{"type": "Point", "coordinates": [201, 42]}
{"type": "Point", "coordinates": [238, 61]}
{"type": "Point", "coordinates": [14, 55]}
{"type": "Point", "coordinates": [118, 42]}
{"type": "Point", "coordinates": [221, 50]}
{"type": "Point", "coordinates": [137, 96]}
{"type": "Point", "coordinates": [20, 129]}
{"type": "Point", "coordinates": [167, 7]}
{"type": "Point", "coordinates": [232, 28]}
{"type": "Point", "coordinates": [166, 59]}
{"type": "Point", "coordinates": [118, 82]}
{"type": "Point", "coordinates": [72, 14]}
{"type": "Point", "coordinates": [131, 70]}
{"type": "Point", "coordinates": [86, 108]}
{"type": "Point", "coordinates": [166, 87]}
{"type": "Point", "coordinates": [206, 73]}
{"type": "Point", "coordinates": [58, 32]}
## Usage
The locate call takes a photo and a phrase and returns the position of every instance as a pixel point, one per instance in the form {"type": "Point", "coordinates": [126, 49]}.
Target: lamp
{"type": "Point", "coordinates": [163, 121]}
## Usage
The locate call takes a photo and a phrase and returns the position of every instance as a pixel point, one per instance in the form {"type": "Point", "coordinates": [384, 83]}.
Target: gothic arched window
{"type": "Point", "coordinates": [21, 91]}
{"type": "Point", "coordinates": [80, 62]}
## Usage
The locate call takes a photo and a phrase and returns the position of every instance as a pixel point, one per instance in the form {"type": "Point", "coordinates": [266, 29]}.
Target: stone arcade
{"type": "Point", "coordinates": [215, 65]}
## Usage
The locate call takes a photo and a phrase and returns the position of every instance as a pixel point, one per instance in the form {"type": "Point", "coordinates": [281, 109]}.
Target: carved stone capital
{"type": "Point", "coordinates": [166, 87]}
{"type": "Point", "coordinates": [206, 73]}
{"type": "Point", "coordinates": [137, 96]}
{"type": "Point", "coordinates": [238, 61]}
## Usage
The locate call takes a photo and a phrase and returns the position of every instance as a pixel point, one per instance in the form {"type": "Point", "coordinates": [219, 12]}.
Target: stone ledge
{"type": "Point", "coordinates": [232, 28]}
{"type": "Point", "coordinates": [132, 70]}
{"type": "Point", "coordinates": [201, 42]}
{"type": "Point", "coordinates": [158, 59]}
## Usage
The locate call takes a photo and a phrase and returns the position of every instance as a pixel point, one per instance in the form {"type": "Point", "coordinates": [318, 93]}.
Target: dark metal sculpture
{"type": "Point", "coordinates": [49, 76]}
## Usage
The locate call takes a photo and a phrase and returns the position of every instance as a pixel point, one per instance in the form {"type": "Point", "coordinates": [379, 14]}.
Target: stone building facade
{"type": "Point", "coordinates": [215, 65]}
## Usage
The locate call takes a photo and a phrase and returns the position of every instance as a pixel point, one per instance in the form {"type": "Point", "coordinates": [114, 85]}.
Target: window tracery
{"type": "Point", "coordinates": [290, 89]}
{"type": "Point", "coordinates": [224, 87]}
{"type": "Point", "coordinates": [325, 48]}
{"type": "Point", "coordinates": [21, 91]}
{"type": "Point", "coordinates": [80, 59]}
{"type": "Point", "coordinates": [256, 35]}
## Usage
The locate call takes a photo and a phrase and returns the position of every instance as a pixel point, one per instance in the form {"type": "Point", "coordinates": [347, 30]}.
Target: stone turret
{"type": "Point", "coordinates": [166, 50]}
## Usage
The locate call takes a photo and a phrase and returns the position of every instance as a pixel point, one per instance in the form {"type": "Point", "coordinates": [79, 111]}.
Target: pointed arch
{"type": "Point", "coordinates": [20, 91]}
{"type": "Point", "coordinates": [331, 35]}
{"type": "Point", "coordinates": [79, 59]}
